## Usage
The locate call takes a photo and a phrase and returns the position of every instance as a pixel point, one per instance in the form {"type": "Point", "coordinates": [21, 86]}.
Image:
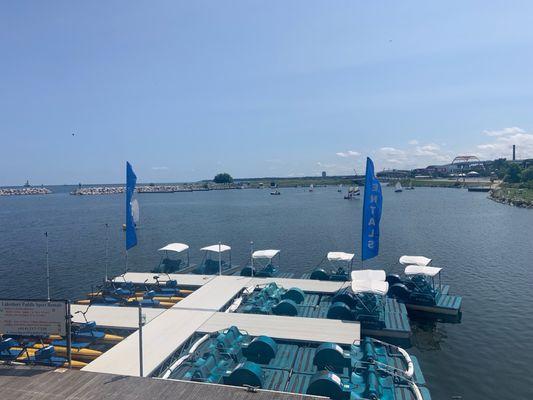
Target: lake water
{"type": "Point", "coordinates": [486, 249]}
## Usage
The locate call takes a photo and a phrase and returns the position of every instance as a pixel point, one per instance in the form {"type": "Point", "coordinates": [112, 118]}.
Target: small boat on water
{"type": "Point", "coordinates": [263, 263]}
{"type": "Point", "coordinates": [275, 192]}
{"type": "Point", "coordinates": [171, 261]}
{"type": "Point", "coordinates": [340, 188]}
{"type": "Point", "coordinates": [398, 187]}
{"type": "Point", "coordinates": [353, 191]}
{"type": "Point", "coordinates": [420, 292]}
{"type": "Point", "coordinates": [135, 213]}
{"type": "Point", "coordinates": [335, 266]}
{"type": "Point", "coordinates": [311, 187]}
{"type": "Point", "coordinates": [410, 187]}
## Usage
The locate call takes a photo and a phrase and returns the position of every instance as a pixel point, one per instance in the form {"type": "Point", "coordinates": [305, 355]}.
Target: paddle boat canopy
{"type": "Point", "coordinates": [415, 260]}
{"type": "Point", "coordinates": [420, 292]}
{"type": "Point", "coordinates": [171, 260]}
{"type": "Point", "coordinates": [334, 267]}
{"type": "Point", "coordinates": [217, 265]}
{"type": "Point", "coordinates": [263, 263]}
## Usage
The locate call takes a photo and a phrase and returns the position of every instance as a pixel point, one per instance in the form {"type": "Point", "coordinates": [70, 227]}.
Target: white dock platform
{"type": "Point", "coordinates": [113, 317]}
{"type": "Point", "coordinates": [290, 328]}
{"type": "Point", "coordinates": [307, 285]}
{"type": "Point", "coordinates": [161, 337]}
{"type": "Point", "coordinates": [141, 278]}
{"type": "Point", "coordinates": [215, 294]}
{"type": "Point", "coordinates": [167, 330]}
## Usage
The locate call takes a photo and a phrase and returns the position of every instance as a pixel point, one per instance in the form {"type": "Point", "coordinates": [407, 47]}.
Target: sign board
{"type": "Point", "coordinates": [33, 317]}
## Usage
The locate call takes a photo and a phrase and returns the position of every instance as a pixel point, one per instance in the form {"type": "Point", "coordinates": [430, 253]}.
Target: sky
{"type": "Point", "coordinates": [184, 90]}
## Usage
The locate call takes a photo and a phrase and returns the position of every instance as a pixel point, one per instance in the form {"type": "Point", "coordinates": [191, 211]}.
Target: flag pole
{"type": "Point", "coordinates": [47, 270]}
{"type": "Point", "coordinates": [106, 249]}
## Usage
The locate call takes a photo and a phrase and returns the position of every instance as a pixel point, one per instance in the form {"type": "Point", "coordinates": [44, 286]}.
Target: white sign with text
{"type": "Point", "coordinates": [33, 317]}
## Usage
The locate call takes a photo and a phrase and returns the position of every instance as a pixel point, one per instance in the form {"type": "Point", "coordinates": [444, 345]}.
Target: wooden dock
{"type": "Point", "coordinates": [42, 383]}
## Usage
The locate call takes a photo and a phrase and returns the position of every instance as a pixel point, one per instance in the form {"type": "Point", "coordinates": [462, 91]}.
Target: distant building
{"type": "Point", "coordinates": [393, 173]}
{"type": "Point", "coordinates": [323, 174]}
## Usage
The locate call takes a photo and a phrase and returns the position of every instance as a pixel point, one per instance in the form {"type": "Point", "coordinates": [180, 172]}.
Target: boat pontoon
{"type": "Point", "coordinates": [335, 266]}
{"type": "Point", "coordinates": [367, 369]}
{"type": "Point", "coordinates": [210, 266]}
{"type": "Point", "coordinates": [420, 292]}
{"type": "Point", "coordinates": [169, 264]}
{"type": "Point", "coordinates": [262, 263]}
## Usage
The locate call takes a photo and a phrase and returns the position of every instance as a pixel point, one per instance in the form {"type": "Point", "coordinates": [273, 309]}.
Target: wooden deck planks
{"type": "Point", "coordinates": [40, 383]}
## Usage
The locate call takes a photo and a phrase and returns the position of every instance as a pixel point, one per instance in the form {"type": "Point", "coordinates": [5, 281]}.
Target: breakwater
{"type": "Point", "coordinates": [24, 191]}
{"type": "Point", "coordinates": [514, 197]}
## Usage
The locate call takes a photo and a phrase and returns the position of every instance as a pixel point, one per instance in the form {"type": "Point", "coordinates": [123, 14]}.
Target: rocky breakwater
{"type": "Point", "coordinates": [24, 191]}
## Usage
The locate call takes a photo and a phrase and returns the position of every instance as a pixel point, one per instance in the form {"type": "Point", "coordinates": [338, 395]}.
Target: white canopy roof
{"type": "Point", "coordinates": [421, 270]}
{"type": "Point", "coordinates": [339, 256]}
{"type": "Point", "coordinates": [376, 287]}
{"type": "Point", "coordinates": [265, 254]}
{"type": "Point", "coordinates": [177, 247]}
{"type": "Point", "coordinates": [414, 260]}
{"type": "Point", "coordinates": [217, 248]}
{"type": "Point", "coordinates": [368, 275]}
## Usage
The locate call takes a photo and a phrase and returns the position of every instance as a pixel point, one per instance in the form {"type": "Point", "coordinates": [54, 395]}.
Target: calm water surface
{"type": "Point", "coordinates": [486, 249]}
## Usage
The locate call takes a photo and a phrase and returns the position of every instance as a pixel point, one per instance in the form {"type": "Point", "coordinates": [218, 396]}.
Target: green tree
{"type": "Point", "coordinates": [499, 167]}
{"type": "Point", "coordinates": [513, 173]}
{"type": "Point", "coordinates": [223, 178]}
{"type": "Point", "coordinates": [527, 174]}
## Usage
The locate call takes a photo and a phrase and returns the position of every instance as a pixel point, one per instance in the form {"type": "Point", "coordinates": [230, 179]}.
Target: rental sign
{"type": "Point", "coordinates": [33, 317]}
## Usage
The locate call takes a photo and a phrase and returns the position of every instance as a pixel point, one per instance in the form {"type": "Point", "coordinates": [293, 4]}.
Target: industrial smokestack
{"type": "Point", "coordinates": [514, 152]}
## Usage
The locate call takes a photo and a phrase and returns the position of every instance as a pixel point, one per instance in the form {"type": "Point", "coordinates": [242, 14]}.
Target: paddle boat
{"type": "Point", "coordinates": [210, 266]}
{"type": "Point", "coordinates": [30, 353]}
{"type": "Point", "coordinates": [262, 264]}
{"type": "Point", "coordinates": [335, 266]}
{"type": "Point", "coordinates": [369, 369]}
{"type": "Point", "coordinates": [169, 264]}
{"type": "Point", "coordinates": [420, 292]}
{"type": "Point", "coordinates": [365, 301]}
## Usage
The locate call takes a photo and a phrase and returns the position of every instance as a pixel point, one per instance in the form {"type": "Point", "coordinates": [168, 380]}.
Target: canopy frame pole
{"type": "Point", "coordinates": [220, 258]}
{"type": "Point", "coordinates": [188, 259]}
{"type": "Point", "coordinates": [252, 256]}
{"type": "Point", "coordinates": [47, 269]}
{"type": "Point", "coordinates": [69, 333]}
{"type": "Point", "coordinates": [106, 250]}
{"type": "Point", "coordinates": [126, 265]}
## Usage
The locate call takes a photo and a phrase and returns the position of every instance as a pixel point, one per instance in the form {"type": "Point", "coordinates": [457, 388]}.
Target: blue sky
{"type": "Point", "coordinates": [258, 88]}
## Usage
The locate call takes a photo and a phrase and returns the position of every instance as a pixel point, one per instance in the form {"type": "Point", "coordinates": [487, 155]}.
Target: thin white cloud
{"type": "Point", "coordinates": [349, 153]}
{"type": "Point", "coordinates": [160, 168]}
{"type": "Point", "coordinates": [505, 131]}
{"type": "Point", "coordinates": [413, 142]}
{"type": "Point", "coordinates": [502, 144]}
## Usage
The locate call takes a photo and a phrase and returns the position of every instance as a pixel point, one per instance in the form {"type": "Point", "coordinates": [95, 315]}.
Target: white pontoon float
{"type": "Point", "coordinates": [265, 260]}
{"type": "Point", "coordinates": [335, 266]}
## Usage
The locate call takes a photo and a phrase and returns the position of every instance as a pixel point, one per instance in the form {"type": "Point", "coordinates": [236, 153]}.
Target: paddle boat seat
{"type": "Point", "coordinates": [6, 351]}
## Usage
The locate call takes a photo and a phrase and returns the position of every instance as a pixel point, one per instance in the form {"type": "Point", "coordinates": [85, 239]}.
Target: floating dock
{"type": "Point", "coordinates": [210, 310]}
